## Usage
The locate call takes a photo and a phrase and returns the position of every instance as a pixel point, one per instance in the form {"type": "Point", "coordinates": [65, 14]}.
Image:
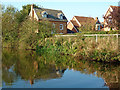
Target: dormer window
{"type": "Point", "coordinates": [44, 14]}
{"type": "Point", "coordinates": [110, 20]}
{"type": "Point", "coordinates": [60, 15]}
{"type": "Point", "coordinates": [110, 17]}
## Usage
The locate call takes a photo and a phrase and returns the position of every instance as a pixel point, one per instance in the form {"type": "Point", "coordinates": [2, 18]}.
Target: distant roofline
{"type": "Point", "coordinates": [114, 6]}
{"type": "Point", "coordinates": [83, 17]}
{"type": "Point", "coordinates": [59, 20]}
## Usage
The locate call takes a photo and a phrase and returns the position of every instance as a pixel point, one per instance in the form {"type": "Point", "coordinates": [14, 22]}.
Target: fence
{"type": "Point", "coordinates": [94, 35]}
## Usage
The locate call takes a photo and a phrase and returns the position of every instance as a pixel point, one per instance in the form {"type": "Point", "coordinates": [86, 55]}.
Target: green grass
{"type": "Point", "coordinates": [86, 48]}
{"type": "Point", "coordinates": [99, 32]}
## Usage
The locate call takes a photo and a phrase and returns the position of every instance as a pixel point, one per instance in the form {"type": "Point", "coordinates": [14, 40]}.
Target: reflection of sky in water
{"type": "Point", "coordinates": [70, 79]}
{"type": "Point", "coordinates": [19, 71]}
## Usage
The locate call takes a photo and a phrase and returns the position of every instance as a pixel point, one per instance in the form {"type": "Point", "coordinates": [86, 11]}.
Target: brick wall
{"type": "Point", "coordinates": [57, 26]}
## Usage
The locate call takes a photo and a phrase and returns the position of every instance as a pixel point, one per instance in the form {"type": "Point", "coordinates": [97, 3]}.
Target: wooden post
{"type": "Point", "coordinates": [117, 35]}
{"type": "Point", "coordinates": [96, 37]}
{"type": "Point", "coordinates": [117, 41]}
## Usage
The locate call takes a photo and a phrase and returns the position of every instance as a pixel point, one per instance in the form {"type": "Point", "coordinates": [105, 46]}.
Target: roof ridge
{"type": "Point", "coordinates": [48, 9]}
{"type": "Point", "coordinates": [114, 6]}
{"type": "Point", "coordinates": [83, 17]}
{"type": "Point", "coordinates": [73, 20]}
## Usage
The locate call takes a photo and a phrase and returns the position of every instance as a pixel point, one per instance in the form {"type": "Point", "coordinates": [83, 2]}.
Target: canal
{"type": "Point", "coordinates": [29, 69]}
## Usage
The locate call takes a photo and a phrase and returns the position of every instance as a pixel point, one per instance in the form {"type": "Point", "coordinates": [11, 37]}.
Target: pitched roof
{"type": "Point", "coordinates": [98, 22]}
{"type": "Point", "coordinates": [84, 20]}
{"type": "Point", "coordinates": [115, 7]}
{"type": "Point", "coordinates": [52, 14]}
{"type": "Point", "coordinates": [74, 23]}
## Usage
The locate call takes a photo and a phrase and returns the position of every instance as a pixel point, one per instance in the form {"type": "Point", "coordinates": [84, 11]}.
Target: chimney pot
{"type": "Point", "coordinates": [96, 18]}
{"type": "Point", "coordinates": [32, 6]}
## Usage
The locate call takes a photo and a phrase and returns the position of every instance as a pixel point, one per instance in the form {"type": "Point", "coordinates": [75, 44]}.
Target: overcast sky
{"type": "Point", "coordinates": [89, 8]}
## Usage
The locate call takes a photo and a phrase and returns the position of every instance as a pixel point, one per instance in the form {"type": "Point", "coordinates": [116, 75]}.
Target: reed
{"type": "Point", "coordinates": [106, 49]}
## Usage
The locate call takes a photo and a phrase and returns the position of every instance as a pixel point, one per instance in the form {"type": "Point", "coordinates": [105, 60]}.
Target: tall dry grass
{"type": "Point", "coordinates": [105, 49]}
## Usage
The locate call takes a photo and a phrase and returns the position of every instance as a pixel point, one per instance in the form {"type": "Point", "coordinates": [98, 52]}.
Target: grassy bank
{"type": "Point", "coordinates": [85, 48]}
{"type": "Point", "coordinates": [99, 32]}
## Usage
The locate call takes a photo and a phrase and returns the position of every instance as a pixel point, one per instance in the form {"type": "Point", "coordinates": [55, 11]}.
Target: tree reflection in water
{"type": "Point", "coordinates": [30, 67]}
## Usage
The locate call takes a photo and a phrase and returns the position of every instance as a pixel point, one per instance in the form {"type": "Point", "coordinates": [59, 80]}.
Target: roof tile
{"type": "Point", "coordinates": [52, 14]}
{"type": "Point", "coordinates": [85, 20]}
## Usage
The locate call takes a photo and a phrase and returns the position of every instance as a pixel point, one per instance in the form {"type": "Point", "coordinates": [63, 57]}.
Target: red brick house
{"type": "Point", "coordinates": [108, 17]}
{"type": "Point", "coordinates": [78, 21]}
{"type": "Point", "coordinates": [55, 17]}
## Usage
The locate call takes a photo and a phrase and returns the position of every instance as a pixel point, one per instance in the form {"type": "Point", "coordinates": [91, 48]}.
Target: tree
{"type": "Point", "coordinates": [9, 25]}
{"type": "Point", "coordinates": [19, 29]}
{"type": "Point", "coordinates": [0, 45]}
{"type": "Point", "coordinates": [25, 12]}
{"type": "Point", "coordinates": [28, 36]}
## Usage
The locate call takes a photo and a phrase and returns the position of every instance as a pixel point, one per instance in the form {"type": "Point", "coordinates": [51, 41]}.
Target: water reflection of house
{"type": "Point", "coordinates": [113, 82]}
{"type": "Point", "coordinates": [55, 17]}
{"type": "Point", "coordinates": [111, 78]}
{"type": "Point", "coordinates": [53, 74]}
{"type": "Point", "coordinates": [80, 21]}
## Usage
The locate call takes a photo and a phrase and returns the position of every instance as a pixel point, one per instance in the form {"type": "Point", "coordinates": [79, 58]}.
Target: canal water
{"type": "Point", "coordinates": [29, 69]}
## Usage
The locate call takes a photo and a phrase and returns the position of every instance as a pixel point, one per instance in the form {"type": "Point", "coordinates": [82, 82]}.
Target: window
{"type": "Point", "coordinates": [60, 15]}
{"type": "Point", "coordinates": [98, 26]}
{"type": "Point", "coordinates": [44, 14]}
{"type": "Point", "coordinates": [61, 26]}
{"type": "Point", "coordinates": [110, 20]}
{"type": "Point", "coordinates": [110, 17]}
{"type": "Point", "coordinates": [53, 25]}
{"type": "Point", "coordinates": [53, 29]}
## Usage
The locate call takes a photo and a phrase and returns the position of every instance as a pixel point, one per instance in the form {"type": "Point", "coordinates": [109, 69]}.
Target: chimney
{"type": "Point", "coordinates": [96, 18]}
{"type": "Point", "coordinates": [32, 11]}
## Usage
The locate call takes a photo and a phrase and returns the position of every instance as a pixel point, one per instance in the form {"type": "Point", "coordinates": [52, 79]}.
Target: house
{"type": "Point", "coordinates": [80, 21]}
{"type": "Point", "coordinates": [98, 24]}
{"type": "Point", "coordinates": [55, 17]}
{"type": "Point", "coordinates": [110, 18]}
{"type": "Point", "coordinates": [70, 31]}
